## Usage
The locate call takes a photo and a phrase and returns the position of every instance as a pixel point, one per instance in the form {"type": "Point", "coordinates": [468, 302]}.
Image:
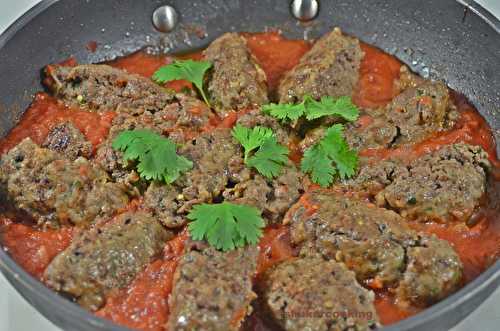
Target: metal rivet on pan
{"type": "Point", "coordinates": [305, 10]}
{"type": "Point", "coordinates": [165, 18]}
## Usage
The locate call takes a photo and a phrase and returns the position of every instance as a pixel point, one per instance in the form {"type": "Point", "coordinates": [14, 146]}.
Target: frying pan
{"type": "Point", "coordinates": [442, 39]}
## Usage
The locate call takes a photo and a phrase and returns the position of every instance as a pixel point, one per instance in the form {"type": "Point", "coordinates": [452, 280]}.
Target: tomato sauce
{"type": "Point", "coordinates": [145, 64]}
{"type": "Point", "coordinates": [377, 78]}
{"type": "Point", "coordinates": [33, 249]}
{"type": "Point", "coordinates": [46, 112]}
{"type": "Point", "coordinates": [276, 54]}
{"type": "Point", "coordinates": [144, 304]}
{"type": "Point", "coordinates": [274, 247]}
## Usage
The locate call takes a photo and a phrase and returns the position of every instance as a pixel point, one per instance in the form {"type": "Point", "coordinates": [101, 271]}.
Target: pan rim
{"type": "Point", "coordinates": [490, 278]}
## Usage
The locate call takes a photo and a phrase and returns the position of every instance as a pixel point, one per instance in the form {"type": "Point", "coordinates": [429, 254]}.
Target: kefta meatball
{"type": "Point", "coordinates": [414, 115]}
{"type": "Point", "coordinates": [66, 139]}
{"type": "Point", "coordinates": [442, 186]}
{"type": "Point", "coordinates": [56, 191]}
{"type": "Point", "coordinates": [181, 121]}
{"type": "Point", "coordinates": [313, 294]}
{"type": "Point", "coordinates": [376, 244]}
{"type": "Point", "coordinates": [99, 87]}
{"type": "Point", "coordinates": [212, 289]}
{"type": "Point", "coordinates": [236, 80]}
{"type": "Point", "coordinates": [106, 258]}
{"type": "Point", "coordinates": [329, 68]}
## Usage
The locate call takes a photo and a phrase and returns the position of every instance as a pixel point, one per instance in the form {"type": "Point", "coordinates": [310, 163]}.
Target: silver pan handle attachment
{"type": "Point", "coordinates": [304, 10]}
{"type": "Point", "coordinates": [165, 17]}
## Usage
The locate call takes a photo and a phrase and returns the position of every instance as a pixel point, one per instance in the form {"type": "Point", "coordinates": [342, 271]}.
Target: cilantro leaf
{"type": "Point", "coordinates": [262, 150]}
{"type": "Point", "coordinates": [156, 155]}
{"type": "Point", "coordinates": [312, 109]}
{"type": "Point", "coordinates": [285, 111]}
{"type": "Point", "coordinates": [189, 70]}
{"type": "Point", "coordinates": [318, 160]}
{"type": "Point", "coordinates": [270, 158]}
{"type": "Point", "coordinates": [328, 106]}
{"type": "Point", "coordinates": [251, 139]}
{"type": "Point", "coordinates": [226, 226]}
{"type": "Point", "coordinates": [320, 167]}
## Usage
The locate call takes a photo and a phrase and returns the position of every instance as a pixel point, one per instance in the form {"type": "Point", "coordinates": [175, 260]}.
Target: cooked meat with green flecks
{"type": "Point", "coordinates": [313, 294]}
{"type": "Point", "coordinates": [420, 111]}
{"type": "Point", "coordinates": [66, 139]}
{"type": "Point", "coordinates": [441, 186]}
{"type": "Point", "coordinates": [212, 289]}
{"type": "Point", "coordinates": [376, 244]}
{"type": "Point", "coordinates": [107, 257]}
{"type": "Point", "coordinates": [181, 121]}
{"type": "Point", "coordinates": [413, 116]}
{"type": "Point", "coordinates": [56, 191]}
{"type": "Point", "coordinates": [101, 87]}
{"type": "Point", "coordinates": [330, 68]}
{"type": "Point", "coordinates": [236, 80]}
{"type": "Point", "coordinates": [272, 196]}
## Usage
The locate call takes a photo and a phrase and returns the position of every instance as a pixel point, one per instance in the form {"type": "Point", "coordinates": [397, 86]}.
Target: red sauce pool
{"type": "Point", "coordinates": [46, 112]}
{"type": "Point", "coordinates": [275, 54]}
{"type": "Point", "coordinates": [377, 75]}
{"type": "Point", "coordinates": [143, 305]}
{"type": "Point", "coordinates": [33, 249]}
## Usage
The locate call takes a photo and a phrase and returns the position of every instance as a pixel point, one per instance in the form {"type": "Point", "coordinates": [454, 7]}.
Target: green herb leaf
{"type": "Point", "coordinates": [226, 226]}
{"type": "Point", "coordinates": [192, 71]}
{"type": "Point", "coordinates": [285, 111]}
{"type": "Point", "coordinates": [329, 106]}
{"type": "Point", "coordinates": [156, 155]}
{"type": "Point", "coordinates": [270, 158]}
{"type": "Point", "coordinates": [312, 109]}
{"type": "Point", "coordinates": [329, 157]}
{"type": "Point", "coordinates": [262, 150]}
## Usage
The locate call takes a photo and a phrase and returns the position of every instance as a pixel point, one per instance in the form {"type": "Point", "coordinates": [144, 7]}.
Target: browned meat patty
{"type": "Point", "coordinates": [443, 186]}
{"type": "Point", "coordinates": [216, 158]}
{"type": "Point", "coordinates": [212, 289]}
{"type": "Point", "coordinates": [421, 111]}
{"type": "Point", "coordinates": [219, 171]}
{"type": "Point", "coordinates": [313, 294]}
{"type": "Point", "coordinates": [67, 140]}
{"type": "Point", "coordinates": [379, 133]}
{"type": "Point", "coordinates": [236, 80]}
{"type": "Point", "coordinates": [414, 115]}
{"type": "Point", "coordinates": [272, 196]}
{"type": "Point", "coordinates": [181, 121]}
{"type": "Point", "coordinates": [56, 191]}
{"type": "Point", "coordinates": [106, 258]}
{"type": "Point", "coordinates": [166, 202]}
{"type": "Point", "coordinates": [330, 68]}
{"type": "Point", "coordinates": [430, 261]}
{"type": "Point", "coordinates": [377, 245]}
{"type": "Point", "coordinates": [100, 87]}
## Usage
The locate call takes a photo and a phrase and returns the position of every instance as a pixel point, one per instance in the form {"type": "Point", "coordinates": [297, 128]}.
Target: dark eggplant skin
{"type": "Point", "coordinates": [444, 39]}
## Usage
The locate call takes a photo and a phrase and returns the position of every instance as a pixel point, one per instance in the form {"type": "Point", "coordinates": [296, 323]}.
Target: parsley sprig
{"type": "Point", "coordinates": [312, 109]}
{"type": "Point", "coordinates": [192, 71]}
{"type": "Point", "coordinates": [329, 157]}
{"type": "Point", "coordinates": [262, 150]}
{"type": "Point", "coordinates": [226, 226]}
{"type": "Point", "coordinates": [156, 155]}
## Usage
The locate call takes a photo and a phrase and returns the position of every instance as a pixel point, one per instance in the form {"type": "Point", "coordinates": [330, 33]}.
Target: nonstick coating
{"type": "Point", "coordinates": [439, 39]}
